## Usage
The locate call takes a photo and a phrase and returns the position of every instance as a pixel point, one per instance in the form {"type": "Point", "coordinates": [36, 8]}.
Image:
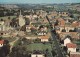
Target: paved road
{"type": "Point", "coordinates": [54, 37]}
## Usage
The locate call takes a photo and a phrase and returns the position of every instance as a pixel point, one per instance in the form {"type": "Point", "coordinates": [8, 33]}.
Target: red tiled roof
{"type": "Point", "coordinates": [62, 22]}
{"type": "Point", "coordinates": [75, 23]}
{"type": "Point", "coordinates": [1, 41]}
{"type": "Point", "coordinates": [72, 34]}
{"type": "Point", "coordinates": [71, 45]}
{"type": "Point", "coordinates": [45, 37]}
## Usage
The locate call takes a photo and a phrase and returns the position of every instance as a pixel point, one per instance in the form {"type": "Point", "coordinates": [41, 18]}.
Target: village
{"type": "Point", "coordinates": [40, 33]}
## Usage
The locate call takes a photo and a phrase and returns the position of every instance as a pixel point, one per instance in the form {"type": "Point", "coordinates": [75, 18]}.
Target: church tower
{"type": "Point", "coordinates": [21, 20]}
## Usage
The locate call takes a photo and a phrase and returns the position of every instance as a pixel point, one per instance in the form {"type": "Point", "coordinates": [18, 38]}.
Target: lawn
{"type": "Point", "coordinates": [6, 17]}
{"type": "Point", "coordinates": [39, 46]}
{"type": "Point", "coordinates": [9, 39]}
{"type": "Point", "coordinates": [77, 42]}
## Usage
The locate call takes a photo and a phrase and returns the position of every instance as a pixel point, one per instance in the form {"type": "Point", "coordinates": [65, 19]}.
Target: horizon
{"type": "Point", "coordinates": [37, 1]}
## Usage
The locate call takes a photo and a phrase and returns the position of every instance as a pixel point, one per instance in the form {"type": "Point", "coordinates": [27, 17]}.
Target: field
{"type": "Point", "coordinates": [39, 46]}
{"type": "Point", "coordinates": [6, 17]}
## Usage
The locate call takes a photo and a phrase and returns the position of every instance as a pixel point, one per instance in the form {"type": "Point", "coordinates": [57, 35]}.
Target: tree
{"type": "Point", "coordinates": [5, 50]}
{"type": "Point", "coordinates": [53, 53]}
{"type": "Point", "coordinates": [9, 18]}
{"type": "Point", "coordinates": [36, 19]}
{"type": "Point", "coordinates": [0, 38]}
{"type": "Point", "coordinates": [33, 30]}
{"type": "Point", "coordinates": [2, 20]}
{"type": "Point", "coordinates": [23, 28]}
{"type": "Point", "coordinates": [37, 40]}
{"type": "Point", "coordinates": [42, 26]}
{"type": "Point", "coordinates": [27, 21]}
{"type": "Point", "coordinates": [19, 51]}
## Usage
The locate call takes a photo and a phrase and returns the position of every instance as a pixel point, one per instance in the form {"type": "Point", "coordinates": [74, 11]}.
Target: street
{"type": "Point", "coordinates": [56, 43]}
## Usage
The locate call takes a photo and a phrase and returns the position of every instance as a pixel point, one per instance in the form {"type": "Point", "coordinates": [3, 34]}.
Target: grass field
{"type": "Point", "coordinates": [38, 46]}
{"type": "Point", "coordinates": [6, 17]}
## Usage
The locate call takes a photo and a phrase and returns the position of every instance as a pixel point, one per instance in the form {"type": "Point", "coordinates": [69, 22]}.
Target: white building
{"type": "Point", "coordinates": [71, 47]}
{"type": "Point", "coordinates": [44, 38]}
{"type": "Point", "coordinates": [66, 41]}
{"type": "Point", "coordinates": [21, 33]}
{"type": "Point", "coordinates": [41, 33]}
{"type": "Point", "coordinates": [4, 28]}
{"type": "Point", "coordinates": [28, 28]}
{"type": "Point", "coordinates": [37, 55]}
{"type": "Point", "coordinates": [1, 22]}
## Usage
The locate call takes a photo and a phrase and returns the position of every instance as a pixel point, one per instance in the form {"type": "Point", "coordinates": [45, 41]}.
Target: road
{"type": "Point", "coordinates": [56, 43]}
{"type": "Point", "coordinates": [12, 43]}
{"type": "Point", "coordinates": [57, 46]}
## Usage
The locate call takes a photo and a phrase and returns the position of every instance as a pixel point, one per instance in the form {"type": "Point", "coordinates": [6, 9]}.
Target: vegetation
{"type": "Point", "coordinates": [4, 51]}
{"type": "Point", "coordinates": [19, 51]}
{"type": "Point", "coordinates": [38, 46]}
{"type": "Point", "coordinates": [77, 42]}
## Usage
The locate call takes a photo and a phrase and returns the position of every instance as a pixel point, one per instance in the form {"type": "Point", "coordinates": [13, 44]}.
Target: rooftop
{"type": "Point", "coordinates": [71, 45]}
{"type": "Point", "coordinates": [44, 37]}
{"type": "Point", "coordinates": [1, 41]}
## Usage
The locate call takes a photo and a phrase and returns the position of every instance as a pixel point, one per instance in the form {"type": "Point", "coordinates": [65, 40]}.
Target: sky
{"type": "Point", "coordinates": [39, 1]}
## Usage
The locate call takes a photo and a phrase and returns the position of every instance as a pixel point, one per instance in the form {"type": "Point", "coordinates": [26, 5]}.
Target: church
{"type": "Point", "coordinates": [21, 20]}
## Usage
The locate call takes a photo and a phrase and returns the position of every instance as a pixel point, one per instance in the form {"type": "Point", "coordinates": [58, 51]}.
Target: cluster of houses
{"type": "Point", "coordinates": [71, 47]}
{"type": "Point", "coordinates": [18, 27]}
{"type": "Point", "coordinates": [68, 30]}
{"type": "Point", "coordinates": [64, 25]}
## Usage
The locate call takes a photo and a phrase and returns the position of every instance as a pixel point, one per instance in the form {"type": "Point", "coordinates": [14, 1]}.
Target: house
{"type": "Point", "coordinates": [66, 28]}
{"type": "Point", "coordinates": [74, 54]}
{"type": "Point", "coordinates": [4, 33]}
{"type": "Point", "coordinates": [1, 43]}
{"type": "Point", "coordinates": [75, 24]}
{"type": "Point", "coordinates": [42, 30]}
{"type": "Point", "coordinates": [66, 41]}
{"type": "Point", "coordinates": [21, 33]}
{"type": "Point", "coordinates": [45, 21]}
{"type": "Point", "coordinates": [29, 16]}
{"type": "Point", "coordinates": [66, 25]}
{"type": "Point", "coordinates": [71, 47]}
{"type": "Point", "coordinates": [44, 38]}
{"type": "Point", "coordinates": [34, 16]}
{"type": "Point", "coordinates": [1, 27]}
{"type": "Point", "coordinates": [1, 22]}
{"type": "Point", "coordinates": [41, 33]}
{"type": "Point", "coordinates": [74, 35]}
{"type": "Point", "coordinates": [28, 28]}
{"type": "Point", "coordinates": [65, 14]}
{"type": "Point", "coordinates": [61, 22]}
{"type": "Point", "coordinates": [37, 55]}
